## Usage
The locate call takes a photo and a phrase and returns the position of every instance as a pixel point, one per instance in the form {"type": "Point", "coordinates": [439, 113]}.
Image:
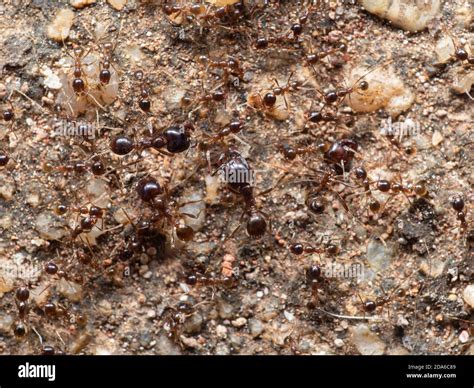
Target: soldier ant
{"type": "Point", "coordinates": [150, 191]}
{"type": "Point", "coordinates": [238, 175]}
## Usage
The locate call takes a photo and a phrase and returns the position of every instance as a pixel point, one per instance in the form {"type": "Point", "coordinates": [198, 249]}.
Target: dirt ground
{"type": "Point", "coordinates": [415, 255]}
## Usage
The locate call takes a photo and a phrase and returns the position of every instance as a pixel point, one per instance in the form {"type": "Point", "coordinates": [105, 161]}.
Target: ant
{"type": "Point", "coordinates": [20, 327]}
{"type": "Point", "coordinates": [144, 102]}
{"type": "Point", "coordinates": [339, 154]}
{"type": "Point", "coordinates": [385, 186]}
{"type": "Point", "coordinates": [234, 127]}
{"type": "Point", "coordinates": [150, 191]}
{"type": "Point", "coordinates": [267, 103]}
{"type": "Point", "coordinates": [336, 96]}
{"type": "Point", "coordinates": [205, 98]}
{"type": "Point", "coordinates": [173, 319]}
{"type": "Point", "coordinates": [175, 139]}
{"type": "Point", "coordinates": [197, 279]}
{"type": "Point", "coordinates": [78, 83]}
{"type": "Point", "coordinates": [457, 203]}
{"type": "Point", "coordinates": [4, 158]}
{"type": "Point", "coordinates": [299, 249]}
{"type": "Point", "coordinates": [231, 66]}
{"type": "Point", "coordinates": [314, 58]}
{"type": "Point", "coordinates": [177, 13]}
{"type": "Point", "coordinates": [95, 166]}
{"type": "Point", "coordinates": [296, 30]}
{"type": "Point", "coordinates": [238, 175]}
{"type": "Point", "coordinates": [89, 217]}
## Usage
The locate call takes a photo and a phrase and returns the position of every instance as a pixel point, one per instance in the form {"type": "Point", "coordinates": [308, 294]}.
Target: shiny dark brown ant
{"type": "Point", "coordinates": [20, 327]}
{"type": "Point", "coordinates": [144, 102]}
{"type": "Point", "coordinates": [338, 154]}
{"type": "Point", "coordinates": [299, 249]}
{"type": "Point", "coordinates": [238, 176]}
{"type": "Point", "coordinates": [4, 158]}
{"type": "Point", "coordinates": [150, 191]}
{"type": "Point", "coordinates": [457, 203]}
{"type": "Point", "coordinates": [175, 139]}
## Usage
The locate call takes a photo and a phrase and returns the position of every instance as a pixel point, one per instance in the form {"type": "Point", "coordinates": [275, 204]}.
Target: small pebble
{"type": "Point", "coordinates": [239, 322]}
{"type": "Point", "coordinates": [117, 4]}
{"type": "Point", "coordinates": [70, 290]}
{"type": "Point", "coordinates": [339, 342]}
{"type": "Point", "coordinates": [81, 3]}
{"type": "Point", "coordinates": [464, 336]}
{"type": "Point", "coordinates": [221, 331]}
{"type": "Point", "coordinates": [255, 327]}
{"type": "Point", "coordinates": [407, 14]}
{"type": "Point", "coordinates": [468, 295]}
{"type": "Point", "coordinates": [366, 342]}
{"type": "Point", "coordinates": [151, 314]}
{"type": "Point", "coordinates": [59, 28]}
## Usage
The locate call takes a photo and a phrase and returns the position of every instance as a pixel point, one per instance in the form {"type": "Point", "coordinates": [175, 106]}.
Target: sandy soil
{"type": "Point", "coordinates": [416, 258]}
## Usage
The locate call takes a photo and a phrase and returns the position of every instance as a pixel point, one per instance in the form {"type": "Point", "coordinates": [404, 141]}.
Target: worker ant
{"type": "Point", "coordinates": [175, 139]}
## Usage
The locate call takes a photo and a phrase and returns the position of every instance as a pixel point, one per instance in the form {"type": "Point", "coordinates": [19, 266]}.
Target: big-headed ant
{"type": "Point", "coordinates": [238, 175]}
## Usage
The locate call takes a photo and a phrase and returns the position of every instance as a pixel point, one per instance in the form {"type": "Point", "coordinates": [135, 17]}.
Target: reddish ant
{"type": "Point", "coordinates": [231, 66]}
{"type": "Point", "coordinates": [200, 12]}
